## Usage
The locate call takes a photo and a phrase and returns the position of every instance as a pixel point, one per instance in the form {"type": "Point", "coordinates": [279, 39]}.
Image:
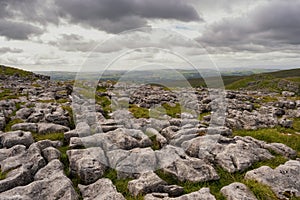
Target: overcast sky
{"type": "Point", "coordinates": [68, 34]}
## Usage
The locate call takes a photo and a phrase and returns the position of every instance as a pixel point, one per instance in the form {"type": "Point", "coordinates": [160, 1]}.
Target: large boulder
{"type": "Point", "coordinates": [89, 164]}
{"type": "Point", "coordinates": [173, 161]}
{"type": "Point", "coordinates": [283, 180]}
{"type": "Point", "coordinates": [12, 138]}
{"type": "Point", "coordinates": [49, 183]}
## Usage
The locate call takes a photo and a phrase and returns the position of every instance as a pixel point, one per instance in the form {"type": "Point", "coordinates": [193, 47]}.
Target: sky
{"type": "Point", "coordinates": [72, 35]}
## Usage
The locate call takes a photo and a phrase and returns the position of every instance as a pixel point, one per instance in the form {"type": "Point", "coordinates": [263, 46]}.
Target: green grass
{"type": "Point", "coordinates": [50, 136]}
{"type": "Point", "coordinates": [172, 111]}
{"type": "Point", "coordinates": [139, 112]}
{"type": "Point", "coordinates": [101, 89]}
{"type": "Point", "coordinates": [71, 115]}
{"type": "Point", "coordinates": [121, 184]}
{"type": "Point", "coordinates": [105, 102]}
{"type": "Point", "coordinates": [11, 123]}
{"type": "Point", "coordinates": [5, 70]}
{"type": "Point", "coordinates": [200, 117]}
{"type": "Point", "coordinates": [3, 175]}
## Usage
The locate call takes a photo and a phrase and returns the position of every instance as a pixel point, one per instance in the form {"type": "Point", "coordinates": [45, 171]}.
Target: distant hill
{"type": "Point", "coordinates": [10, 72]}
{"type": "Point", "coordinates": [273, 81]}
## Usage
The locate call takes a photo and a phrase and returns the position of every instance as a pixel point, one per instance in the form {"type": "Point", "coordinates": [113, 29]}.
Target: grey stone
{"type": "Point", "coordinates": [12, 138]}
{"type": "Point", "coordinates": [51, 153]}
{"type": "Point", "coordinates": [89, 164]}
{"type": "Point", "coordinates": [147, 183]}
{"type": "Point", "coordinates": [237, 191]}
{"type": "Point", "coordinates": [283, 180]}
{"type": "Point", "coordinates": [202, 194]}
{"type": "Point", "coordinates": [50, 184]}
{"type": "Point", "coordinates": [32, 127]}
{"type": "Point", "coordinates": [101, 189]}
{"type": "Point", "coordinates": [44, 128]}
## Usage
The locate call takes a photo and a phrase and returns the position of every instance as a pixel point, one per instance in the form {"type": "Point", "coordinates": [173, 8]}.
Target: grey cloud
{"type": "Point", "coordinates": [73, 42]}
{"type": "Point", "coordinates": [15, 15]}
{"type": "Point", "coordinates": [271, 26]}
{"type": "Point", "coordinates": [10, 50]}
{"type": "Point", "coordinates": [18, 30]}
{"type": "Point", "coordinates": [119, 15]}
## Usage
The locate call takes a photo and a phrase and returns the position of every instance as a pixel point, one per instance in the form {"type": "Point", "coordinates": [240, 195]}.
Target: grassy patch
{"type": "Point", "coordinates": [172, 111]}
{"type": "Point", "coordinates": [105, 102]}
{"type": "Point", "coordinates": [139, 112]}
{"type": "Point", "coordinates": [11, 123]}
{"type": "Point", "coordinates": [200, 117]}
{"type": "Point", "coordinates": [280, 135]}
{"type": "Point", "coordinates": [50, 136]}
{"type": "Point", "coordinates": [3, 175]}
{"type": "Point", "coordinates": [121, 184]}
{"type": "Point", "coordinates": [101, 89]}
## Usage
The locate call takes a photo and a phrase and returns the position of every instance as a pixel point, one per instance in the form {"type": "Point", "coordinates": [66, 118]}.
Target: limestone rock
{"type": "Point", "coordinates": [44, 128]}
{"type": "Point", "coordinates": [101, 189]}
{"type": "Point", "coordinates": [202, 194]}
{"type": "Point", "coordinates": [32, 127]}
{"type": "Point", "coordinates": [89, 164]}
{"type": "Point", "coordinates": [283, 180]}
{"type": "Point", "coordinates": [147, 183]}
{"type": "Point", "coordinates": [12, 138]}
{"type": "Point", "coordinates": [237, 191]}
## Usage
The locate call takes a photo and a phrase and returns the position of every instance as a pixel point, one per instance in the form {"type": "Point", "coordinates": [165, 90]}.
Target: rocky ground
{"type": "Point", "coordinates": [145, 142]}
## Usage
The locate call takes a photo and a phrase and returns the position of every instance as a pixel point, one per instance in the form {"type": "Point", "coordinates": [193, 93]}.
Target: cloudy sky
{"type": "Point", "coordinates": [92, 34]}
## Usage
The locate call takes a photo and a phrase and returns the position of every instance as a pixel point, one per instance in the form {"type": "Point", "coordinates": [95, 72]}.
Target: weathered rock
{"type": "Point", "coordinates": [132, 163]}
{"type": "Point", "coordinates": [24, 113]}
{"type": "Point", "coordinates": [32, 156]}
{"type": "Point", "coordinates": [13, 151]}
{"type": "Point", "coordinates": [174, 161]}
{"type": "Point", "coordinates": [171, 190]}
{"type": "Point", "coordinates": [147, 183]}
{"type": "Point", "coordinates": [117, 139]}
{"type": "Point", "coordinates": [202, 194]}
{"type": "Point", "coordinates": [101, 189]}
{"type": "Point", "coordinates": [12, 138]}
{"type": "Point", "coordinates": [32, 127]}
{"type": "Point", "coordinates": [89, 164]}
{"type": "Point", "coordinates": [283, 180]}
{"type": "Point", "coordinates": [50, 183]}
{"type": "Point", "coordinates": [286, 123]}
{"type": "Point", "coordinates": [240, 155]}
{"type": "Point", "coordinates": [288, 94]}
{"type": "Point", "coordinates": [191, 169]}
{"type": "Point", "coordinates": [51, 153]}
{"type": "Point", "coordinates": [151, 132]}
{"type": "Point", "coordinates": [233, 155]}
{"type": "Point", "coordinates": [57, 118]}
{"type": "Point", "coordinates": [237, 191]}
{"type": "Point", "coordinates": [17, 177]}
{"type": "Point", "coordinates": [44, 128]}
